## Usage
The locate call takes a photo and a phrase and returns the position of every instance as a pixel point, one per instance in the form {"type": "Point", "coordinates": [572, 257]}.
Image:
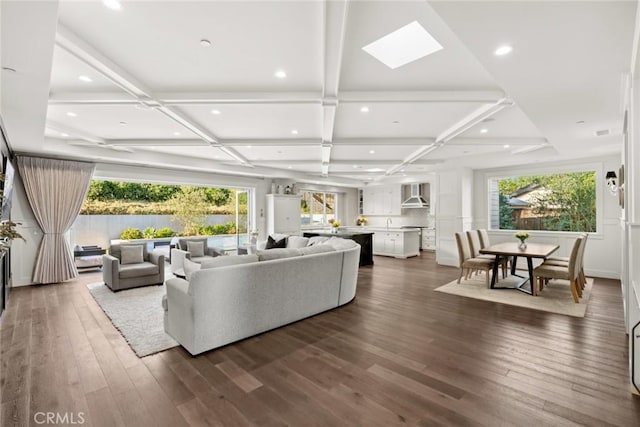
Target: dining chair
{"type": "Point", "coordinates": [469, 263]}
{"type": "Point", "coordinates": [570, 272]}
{"type": "Point", "coordinates": [479, 239]}
{"type": "Point", "coordinates": [564, 261]}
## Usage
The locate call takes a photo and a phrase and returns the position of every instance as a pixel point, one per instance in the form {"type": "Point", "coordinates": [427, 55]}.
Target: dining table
{"type": "Point", "coordinates": [515, 250]}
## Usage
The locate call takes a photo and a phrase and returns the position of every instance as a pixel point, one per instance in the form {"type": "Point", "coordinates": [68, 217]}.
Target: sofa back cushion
{"type": "Point", "coordinates": [116, 250]}
{"type": "Point", "coordinates": [297, 242]}
{"type": "Point", "coordinates": [196, 249]}
{"type": "Point", "coordinates": [317, 249]}
{"type": "Point", "coordinates": [223, 261]}
{"type": "Point", "coordinates": [131, 254]}
{"type": "Point", "coordinates": [316, 240]}
{"type": "Point", "coordinates": [339, 244]}
{"type": "Point", "coordinates": [271, 254]}
{"type": "Point", "coordinates": [182, 242]}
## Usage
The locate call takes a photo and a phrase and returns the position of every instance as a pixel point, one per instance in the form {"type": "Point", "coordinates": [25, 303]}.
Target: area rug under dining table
{"type": "Point", "coordinates": [555, 298]}
{"type": "Point", "coordinates": [138, 315]}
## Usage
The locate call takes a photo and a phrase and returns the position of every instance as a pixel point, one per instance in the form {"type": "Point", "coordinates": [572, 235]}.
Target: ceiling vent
{"type": "Point", "coordinates": [603, 132]}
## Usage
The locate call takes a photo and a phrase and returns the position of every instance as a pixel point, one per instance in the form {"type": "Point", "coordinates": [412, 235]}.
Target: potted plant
{"type": "Point", "coordinates": [361, 220]}
{"type": "Point", "coordinates": [335, 224]}
{"type": "Point", "coordinates": [522, 236]}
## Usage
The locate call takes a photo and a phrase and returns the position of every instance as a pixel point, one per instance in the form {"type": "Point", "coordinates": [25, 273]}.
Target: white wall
{"type": "Point", "coordinates": [453, 212]}
{"type": "Point", "coordinates": [603, 251]}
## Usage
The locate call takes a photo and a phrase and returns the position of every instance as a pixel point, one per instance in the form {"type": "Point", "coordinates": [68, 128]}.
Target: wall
{"type": "Point", "coordinates": [603, 251]}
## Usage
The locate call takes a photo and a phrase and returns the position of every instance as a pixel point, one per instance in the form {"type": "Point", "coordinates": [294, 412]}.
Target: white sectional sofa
{"type": "Point", "coordinates": [272, 288]}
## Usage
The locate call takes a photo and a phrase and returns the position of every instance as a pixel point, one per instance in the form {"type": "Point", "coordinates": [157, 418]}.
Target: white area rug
{"type": "Point", "coordinates": [555, 298]}
{"type": "Point", "coordinates": [137, 314]}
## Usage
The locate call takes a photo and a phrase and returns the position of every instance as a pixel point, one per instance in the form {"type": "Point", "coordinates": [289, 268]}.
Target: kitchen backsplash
{"type": "Point", "coordinates": [418, 217]}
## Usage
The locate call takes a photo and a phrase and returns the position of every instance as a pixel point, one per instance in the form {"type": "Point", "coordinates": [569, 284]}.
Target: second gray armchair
{"type": "Point", "coordinates": [131, 266]}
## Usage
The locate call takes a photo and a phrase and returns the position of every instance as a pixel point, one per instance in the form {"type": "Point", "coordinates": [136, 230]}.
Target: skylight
{"type": "Point", "coordinates": [403, 46]}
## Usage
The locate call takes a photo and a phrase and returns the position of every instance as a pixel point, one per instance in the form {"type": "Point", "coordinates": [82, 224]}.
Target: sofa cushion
{"type": "Point", "coordinates": [339, 244]}
{"type": "Point", "coordinates": [316, 240]}
{"type": "Point", "coordinates": [201, 259]}
{"type": "Point", "coordinates": [131, 254]}
{"type": "Point", "coordinates": [196, 249]}
{"type": "Point", "coordinates": [128, 271]}
{"type": "Point", "coordinates": [297, 242]}
{"type": "Point", "coordinates": [182, 242]}
{"type": "Point", "coordinates": [223, 261]}
{"type": "Point", "coordinates": [189, 267]}
{"type": "Point", "coordinates": [270, 254]}
{"type": "Point", "coordinates": [316, 249]}
{"type": "Point", "coordinates": [275, 244]}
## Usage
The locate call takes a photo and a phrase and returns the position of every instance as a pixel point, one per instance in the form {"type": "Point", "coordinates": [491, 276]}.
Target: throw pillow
{"type": "Point", "coordinates": [189, 267]}
{"type": "Point", "coordinates": [297, 242]}
{"type": "Point", "coordinates": [196, 249]}
{"type": "Point", "coordinates": [271, 254]}
{"type": "Point", "coordinates": [224, 261]}
{"type": "Point", "coordinates": [316, 249]}
{"type": "Point", "coordinates": [273, 244]}
{"type": "Point", "coordinates": [131, 254]}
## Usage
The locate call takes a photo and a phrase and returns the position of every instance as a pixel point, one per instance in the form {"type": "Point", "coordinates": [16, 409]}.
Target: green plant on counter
{"type": "Point", "coordinates": [131, 234]}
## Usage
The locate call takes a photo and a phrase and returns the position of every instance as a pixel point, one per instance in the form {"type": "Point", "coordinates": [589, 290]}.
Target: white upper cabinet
{"type": "Point", "coordinates": [382, 200]}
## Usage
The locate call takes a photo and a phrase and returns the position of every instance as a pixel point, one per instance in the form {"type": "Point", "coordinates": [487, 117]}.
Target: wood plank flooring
{"type": "Point", "coordinates": [399, 354]}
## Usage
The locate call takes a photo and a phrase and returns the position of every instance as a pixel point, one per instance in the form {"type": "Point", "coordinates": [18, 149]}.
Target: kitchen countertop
{"type": "Point", "coordinates": [385, 229]}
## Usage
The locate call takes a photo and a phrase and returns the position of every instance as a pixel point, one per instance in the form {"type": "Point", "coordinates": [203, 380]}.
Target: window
{"type": "Point", "coordinates": [552, 202]}
{"type": "Point", "coordinates": [317, 208]}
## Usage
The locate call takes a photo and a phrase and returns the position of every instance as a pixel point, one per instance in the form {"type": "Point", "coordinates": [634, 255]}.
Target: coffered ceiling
{"type": "Point", "coordinates": [152, 93]}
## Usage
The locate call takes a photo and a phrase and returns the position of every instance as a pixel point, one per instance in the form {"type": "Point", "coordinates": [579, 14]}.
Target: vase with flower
{"type": "Point", "coordinates": [522, 236]}
{"type": "Point", "coordinates": [361, 221]}
{"type": "Point", "coordinates": [335, 225]}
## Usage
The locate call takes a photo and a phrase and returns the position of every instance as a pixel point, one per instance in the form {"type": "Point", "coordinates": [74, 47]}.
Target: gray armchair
{"type": "Point", "coordinates": [131, 266]}
{"type": "Point", "coordinates": [182, 252]}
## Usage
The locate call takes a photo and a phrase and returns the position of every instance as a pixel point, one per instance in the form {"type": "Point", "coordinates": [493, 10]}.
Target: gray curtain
{"type": "Point", "coordinates": [56, 190]}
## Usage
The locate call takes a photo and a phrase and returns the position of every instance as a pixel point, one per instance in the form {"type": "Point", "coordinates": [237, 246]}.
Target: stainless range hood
{"type": "Point", "coordinates": [416, 200]}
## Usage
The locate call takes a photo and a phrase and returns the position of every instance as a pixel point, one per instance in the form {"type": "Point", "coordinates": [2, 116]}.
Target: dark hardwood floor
{"type": "Point", "coordinates": [398, 354]}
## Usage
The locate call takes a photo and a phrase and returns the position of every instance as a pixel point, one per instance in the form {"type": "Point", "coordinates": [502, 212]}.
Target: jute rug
{"type": "Point", "coordinates": [137, 314]}
{"type": "Point", "coordinates": [555, 298]}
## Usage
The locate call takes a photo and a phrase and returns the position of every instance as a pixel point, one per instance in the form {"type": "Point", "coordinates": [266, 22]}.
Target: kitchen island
{"type": "Point", "coordinates": [363, 238]}
{"type": "Point", "coordinates": [396, 242]}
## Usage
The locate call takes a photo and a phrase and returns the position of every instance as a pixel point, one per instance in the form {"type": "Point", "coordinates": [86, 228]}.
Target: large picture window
{"type": "Point", "coordinates": [317, 208]}
{"type": "Point", "coordinates": [552, 202]}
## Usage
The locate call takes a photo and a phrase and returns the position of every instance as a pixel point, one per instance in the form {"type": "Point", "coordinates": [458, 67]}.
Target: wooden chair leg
{"type": "Point", "coordinates": [460, 278]}
{"type": "Point", "coordinates": [574, 291]}
{"type": "Point", "coordinates": [540, 283]}
{"type": "Point", "coordinates": [488, 283]}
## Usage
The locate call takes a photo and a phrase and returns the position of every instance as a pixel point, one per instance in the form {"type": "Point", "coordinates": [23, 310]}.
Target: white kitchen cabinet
{"type": "Point", "coordinates": [429, 239]}
{"type": "Point", "coordinates": [382, 200]}
{"type": "Point", "coordinates": [396, 243]}
{"type": "Point", "coordinates": [283, 214]}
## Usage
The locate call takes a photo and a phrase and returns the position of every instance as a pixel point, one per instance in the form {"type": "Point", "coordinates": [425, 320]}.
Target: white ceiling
{"type": "Point", "coordinates": [154, 86]}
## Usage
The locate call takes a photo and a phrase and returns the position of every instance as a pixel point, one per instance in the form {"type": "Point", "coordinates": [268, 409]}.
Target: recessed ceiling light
{"type": "Point", "coordinates": [85, 79]}
{"type": "Point", "coordinates": [217, 157]}
{"type": "Point", "coordinates": [216, 112]}
{"type": "Point", "coordinates": [294, 132]}
{"type": "Point", "coordinates": [356, 166]}
{"type": "Point", "coordinates": [64, 135]}
{"type": "Point", "coordinates": [176, 133]}
{"type": "Point", "coordinates": [401, 170]}
{"type": "Point", "coordinates": [503, 50]}
{"type": "Point", "coordinates": [372, 152]}
{"type": "Point", "coordinates": [112, 4]}
{"type": "Point", "coordinates": [364, 109]}
{"type": "Point", "coordinates": [374, 170]}
{"type": "Point", "coordinates": [205, 43]}
{"type": "Point", "coordinates": [71, 114]}
{"type": "Point", "coordinates": [403, 46]}
{"type": "Point", "coordinates": [248, 146]}
{"type": "Point", "coordinates": [123, 123]}
{"type": "Point", "coordinates": [404, 174]}
{"type": "Point", "coordinates": [289, 167]}
{"type": "Point", "coordinates": [484, 130]}
{"type": "Point", "coordinates": [280, 74]}
{"type": "Point", "coordinates": [506, 145]}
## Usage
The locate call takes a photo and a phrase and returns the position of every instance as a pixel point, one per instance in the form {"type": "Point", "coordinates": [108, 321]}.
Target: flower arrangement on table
{"type": "Point", "coordinates": [335, 224]}
{"type": "Point", "coordinates": [522, 236]}
{"type": "Point", "coordinates": [361, 220]}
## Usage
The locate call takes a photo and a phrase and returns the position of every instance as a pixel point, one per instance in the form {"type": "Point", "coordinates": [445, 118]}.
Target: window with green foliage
{"type": "Point", "coordinates": [552, 202]}
{"type": "Point", "coordinates": [317, 208]}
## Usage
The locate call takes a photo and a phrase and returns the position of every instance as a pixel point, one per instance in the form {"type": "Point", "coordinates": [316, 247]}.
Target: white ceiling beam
{"type": "Point", "coordinates": [488, 141]}
{"type": "Point", "coordinates": [468, 96]}
{"type": "Point", "coordinates": [74, 133]}
{"type": "Point", "coordinates": [92, 98]}
{"type": "Point", "coordinates": [158, 142]}
{"type": "Point", "coordinates": [335, 21]}
{"type": "Point", "coordinates": [204, 98]}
